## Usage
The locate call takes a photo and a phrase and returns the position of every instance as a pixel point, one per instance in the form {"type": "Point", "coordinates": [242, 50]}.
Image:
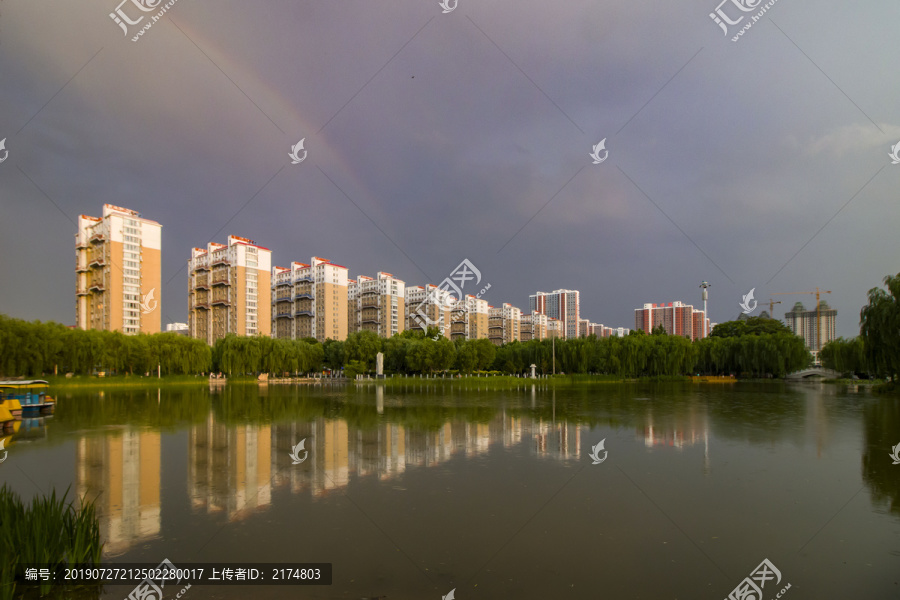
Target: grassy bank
{"type": "Point", "coordinates": [508, 382]}
{"type": "Point", "coordinates": [86, 381]}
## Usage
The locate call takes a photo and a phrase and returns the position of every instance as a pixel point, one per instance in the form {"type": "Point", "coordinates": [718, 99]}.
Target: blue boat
{"type": "Point", "coordinates": [30, 394]}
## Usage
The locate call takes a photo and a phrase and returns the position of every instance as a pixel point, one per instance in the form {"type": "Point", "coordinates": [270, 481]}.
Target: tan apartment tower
{"type": "Point", "coordinates": [533, 326]}
{"type": "Point", "coordinates": [504, 324]}
{"type": "Point", "coordinates": [310, 300]}
{"type": "Point", "coordinates": [429, 306]}
{"type": "Point", "coordinates": [229, 290]}
{"type": "Point", "coordinates": [377, 304]}
{"type": "Point", "coordinates": [118, 280]}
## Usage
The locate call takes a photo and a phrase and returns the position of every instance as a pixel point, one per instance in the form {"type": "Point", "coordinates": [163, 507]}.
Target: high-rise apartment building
{"type": "Point", "coordinates": [377, 304]}
{"type": "Point", "coordinates": [469, 319]}
{"type": "Point", "coordinates": [584, 327]}
{"type": "Point", "coordinates": [229, 290]}
{"type": "Point", "coordinates": [555, 328]}
{"type": "Point", "coordinates": [429, 306]}
{"type": "Point", "coordinates": [803, 323]}
{"type": "Point", "coordinates": [117, 272]}
{"type": "Point", "coordinates": [533, 326]}
{"type": "Point", "coordinates": [310, 300]}
{"type": "Point", "coordinates": [677, 318]}
{"type": "Point", "coordinates": [560, 304]}
{"type": "Point", "coordinates": [504, 323]}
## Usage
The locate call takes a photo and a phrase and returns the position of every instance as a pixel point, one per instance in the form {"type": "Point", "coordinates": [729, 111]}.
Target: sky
{"type": "Point", "coordinates": [434, 137]}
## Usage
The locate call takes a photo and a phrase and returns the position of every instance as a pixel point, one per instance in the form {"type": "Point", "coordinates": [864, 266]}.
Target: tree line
{"type": "Point", "coordinates": [876, 351]}
{"type": "Point", "coordinates": [756, 347]}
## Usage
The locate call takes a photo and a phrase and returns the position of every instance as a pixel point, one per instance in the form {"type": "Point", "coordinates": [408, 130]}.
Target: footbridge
{"type": "Point", "coordinates": [813, 372]}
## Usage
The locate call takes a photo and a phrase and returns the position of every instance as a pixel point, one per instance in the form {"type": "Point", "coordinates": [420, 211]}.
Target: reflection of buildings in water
{"type": "Point", "coordinates": [337, 451]}
{"type": "Point", "coordinates": [559, 439]}
{"type": "Point", "coordinates": [678, 432]}
{"type": "Point", "coordinates": [120, 471]}
{"type": "Point", "coordinates": [229, 467]}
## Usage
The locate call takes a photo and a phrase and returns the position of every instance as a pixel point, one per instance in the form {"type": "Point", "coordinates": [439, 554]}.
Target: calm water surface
{"type": "Point", "coordinates": [411, 492]}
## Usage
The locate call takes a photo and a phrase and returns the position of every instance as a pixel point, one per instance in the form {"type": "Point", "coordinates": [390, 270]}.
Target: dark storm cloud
{"type": "Point", "coordinates": [453, 131]}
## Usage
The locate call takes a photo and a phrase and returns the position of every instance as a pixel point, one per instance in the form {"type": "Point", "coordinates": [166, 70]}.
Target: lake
{"type": "Point", "coordinates": [411, 492]}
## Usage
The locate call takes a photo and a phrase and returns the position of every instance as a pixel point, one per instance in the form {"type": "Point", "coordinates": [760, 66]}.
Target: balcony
{"type": "Point", "coordinates": [368, 302]}
{"type": "Point", "coordinates": [81, 292]}
{"type": "Point", "coordinates": [303, 296]}
{"type": "Point", "coordinates": [221, 280]}
{"type": "Point", "coordinates": [81, 269]}
{"type": "Point", "coordinates": [98, 238]}
{"type": "Point", "coordinates": [97, 261]}
{"type": "Point", "coordinates": [220, 260]}
{"type": "Point", "coordinates": [303, 313]}
{"type": "Point", "coordinates": [97, 286]}
{"type": "Point", "coordinates": [80, 245]}
{"type": "Point", "coordinates": [283, 299]}
{"type": "Point", "coordinates": [283, 315]}
{"type": "Point", "coordinates": [202, 305]}
{"type": "Point", "coordinates": [202, 284]}
{"type": "Point", "coordinates": [201, 266]}
{"type": "Point", "coordinates": [304, 279]}
{"type": "Point", "coordinates": [283, 281]}
{"type": "Point", "coordinates": [221, 302]}
{"type": "Point", "coordinates": [370, 293]}
{"type": "Point", "coordinates": [372, 319]}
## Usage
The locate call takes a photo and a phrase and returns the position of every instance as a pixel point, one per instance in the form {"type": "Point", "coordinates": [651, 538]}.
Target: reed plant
{"type": "Point", "coordinates": [49, 533]}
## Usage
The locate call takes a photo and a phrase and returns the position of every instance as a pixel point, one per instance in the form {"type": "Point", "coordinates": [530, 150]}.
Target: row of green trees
{"type": "Point", "coordinates": [877, 349]}
{"type": "Point", "coordinates": [756, 347]}
{"type": "Point", "coordinates": [33, 348]}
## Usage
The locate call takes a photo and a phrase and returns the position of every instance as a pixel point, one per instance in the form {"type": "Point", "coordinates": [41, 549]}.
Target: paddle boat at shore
{"type": "Point", "coordinates": [25, 398]}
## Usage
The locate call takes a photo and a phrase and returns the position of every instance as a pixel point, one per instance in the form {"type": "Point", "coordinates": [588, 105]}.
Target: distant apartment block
{"type": "Point", "coordinates": [179, 328]}
{"type": "Point", "coordinates": [469, 319]}
{"type": "Point", "coordinates": [377, 304]}
{"type": "Point", "coordinates": [676, 318]}
{"type": "Point", "coordinates": [554, 328]}
{"type": "Point", "coordinates": [533, 327]}
{"type": "Point", "coordinates": [602, 331]}
{"type": "Point", "coordinates": [429, 306]}
{"type": "Point", "coordinates": [118, 279]}
{"type": "Point", "coordinates": [310, 300]}
{"type": "Point", "coordinates": [584, 327]}
{"type": "Point", "coordinates": [504, 323]}
{"type": "Point", "coordinates": [560, 304]}
{"type": "Point", "coordinates": [803, 323]}
{"type": "Point", "coordinates": [229, 290]}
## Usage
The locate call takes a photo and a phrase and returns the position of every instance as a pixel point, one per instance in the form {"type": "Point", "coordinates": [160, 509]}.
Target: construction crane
{"type": "Point", "coordinates": [818, 294]}
{"type": "Point", "coordinates": [772, 304]}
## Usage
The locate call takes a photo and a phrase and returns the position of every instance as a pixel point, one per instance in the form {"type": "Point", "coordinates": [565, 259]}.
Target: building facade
{"type": "Point", "coordinates": [377, 304]}
{"type": "Point", "coordinates": [118, 277]}
{"type": "Point", "coordinates": [533, 327]}
{"type": "Point", "coordinates": [803, 323]}
{"type": "Point", "coordinates": [504, 323]}
{"type": "Point", "coordinates": [564, 305]}
{"type": "Point", "coordinates": [229, 290]}
{"type": "Point", "coordinates": [310, 300]}
{"type": "Point", "coordinates": [429, 306]}
{"type": "Point", "coordinates": [676, 318]}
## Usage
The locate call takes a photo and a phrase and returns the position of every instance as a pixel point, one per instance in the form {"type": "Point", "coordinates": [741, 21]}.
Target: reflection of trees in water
{"type": "Point", "coordinates": [881, 422]}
